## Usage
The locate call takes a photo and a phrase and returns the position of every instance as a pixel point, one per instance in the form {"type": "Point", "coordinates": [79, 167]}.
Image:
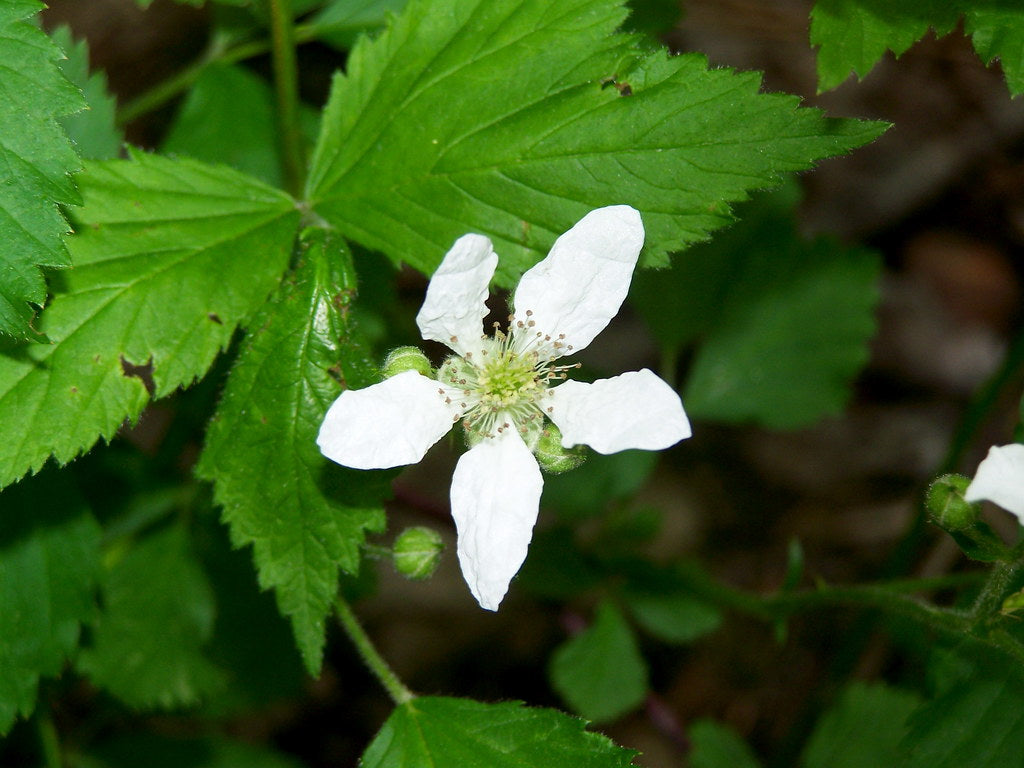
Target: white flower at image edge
{"type": "Point", "coordinates": [504, 388]}
{"type": "Point", "coordinates": [1000, 479]}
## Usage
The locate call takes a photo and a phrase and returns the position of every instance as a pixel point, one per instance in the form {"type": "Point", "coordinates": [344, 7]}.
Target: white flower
{"type": "Point", "coordinates": [1000, 479]}
{"type": "Point", "coordinates": [503, 388]}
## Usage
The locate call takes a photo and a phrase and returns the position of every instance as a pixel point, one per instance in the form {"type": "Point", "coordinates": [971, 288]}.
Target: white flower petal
{"type": "Point", "coordinates": [495, 498]}
{"type": "Point", "coordinates": [454, 309]}
{"type": "Point", "coordinates": [583, 281]}
{"type": "Point", "coordinates": [390, 424]}
{"type": "Point", "coordinates": [1000, 478]}
{"type": "Point", "coordinates": [632, 410]}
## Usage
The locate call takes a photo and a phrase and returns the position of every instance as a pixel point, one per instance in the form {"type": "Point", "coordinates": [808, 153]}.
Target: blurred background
{"type": "Point", "coordinates": [940, 197]}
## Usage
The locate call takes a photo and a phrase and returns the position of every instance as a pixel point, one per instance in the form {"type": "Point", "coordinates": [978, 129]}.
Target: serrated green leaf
{"type": "Point", "coordinates": [600, 673]}
{"type": "Point", "coordinates": [157, 615]}
{"type": "Point", "coordinates": [49, 559]}
{"type": "Point", "coordinates": [783, 322]}
{"type": "Point", "coordinates": [306, 518]}
{"type": "Point", "coordinates": [854, 34]}
{"type": "Point", "coordinates": [169, 257]}
{"type": "Point", "coordinates": [228, 117]}
{"type": "Point", "coordinates": [505, 117]}
{"type": "Point", "coordinates": [126, 750]}
{"type": "Point", "coordinates": [93, 130]}
{"type": "Point", "coordinates": [714, 745]}
{"type": "Point", "coordinates": [439, 731]}
{"type": "Point", "coordinates": [36, 159]}
{"type": "Point", "coordinates": [976, 721]}
{"type": "Point", "coordinates": [863, 728]}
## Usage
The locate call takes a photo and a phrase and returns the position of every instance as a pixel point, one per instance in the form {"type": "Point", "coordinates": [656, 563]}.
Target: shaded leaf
{"type": "Point", "coordinates": [167, 752]}
{"type": "Point", "coordinates": [157, 615]}
{"type": "Point", "coordinates": [781, 323]}
{"type": "Point", "coordinates": [600, 672]}
{"type": "Point", "coordinates": [49, 559]}
{"type": "Point", "coordinates": [93, 130]}
{"type": "Point", "coordinates": [714, 745]}
{"type": "Point", "coordinates": [863, 728]}
{"type": "Point", "coordinates": [228, 117]}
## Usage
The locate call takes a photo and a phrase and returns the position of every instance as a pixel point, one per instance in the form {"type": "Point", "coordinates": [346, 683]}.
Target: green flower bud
{"type": "Point", "coordinates": [552, 457]}
{"type": "Point", "coordinates": [402, 359]}
{"type": "Point", "coordinates": [418, 552]}
{"type": "Point", "coordinates": [1013, 604]}
{"type": "Point", "coordinates": [961, 519]}
{"type": "Point", "coordinates": [946, 505]}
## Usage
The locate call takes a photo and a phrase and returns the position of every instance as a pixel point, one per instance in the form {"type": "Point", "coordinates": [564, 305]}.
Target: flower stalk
{"type": "Point", "coordinates": [368, 652]}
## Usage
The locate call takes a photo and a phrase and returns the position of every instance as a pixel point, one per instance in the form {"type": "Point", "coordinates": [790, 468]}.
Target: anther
{"type": "Point", "coordinates": [453, 339]}
{"type": "Point", "coordinates": [529, 313]}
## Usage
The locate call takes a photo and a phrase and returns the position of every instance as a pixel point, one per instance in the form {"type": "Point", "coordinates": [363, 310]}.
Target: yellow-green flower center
{"type": "Point", "coordinates": [502, 385]}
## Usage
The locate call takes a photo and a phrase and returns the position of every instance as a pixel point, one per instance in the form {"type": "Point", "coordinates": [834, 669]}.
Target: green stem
{"type": "Point", "coordinates": [49, 741]}
{"type": "Point", "coordinates": [219, 52]}
{"type": "Point", "coordinates": [997, 586]}
{"type": "Point", "coordinates": [286, 87]}
{"type": "Point", "coordinates": [395, 688]}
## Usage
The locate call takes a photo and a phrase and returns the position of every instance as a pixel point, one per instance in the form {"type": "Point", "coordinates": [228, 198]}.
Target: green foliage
{"type": "Point", "coordinates": [228, 117]}
{"type": "Point", "coordinates": [93, 130]}
{"type": "Point", "coordinates": [854, 34]}
{"type": "Point", "coordinates": [600, 672]}
{"type": "Point", "coordinates": [863, 728]}
{"type": "Point", "coordinates": [49, 558]}
{"type": "Point", "coordinates": [157, 615]}
{"type": "Point", "coordinates": [36, 159]}
{"type": "Point", "coordinates": [782, 323]}
{"type": "Point", "coordinates": [427, 136]}
{"type": "Point", "coordinates": [305, 518]}
{"type": "Point", "coordinates": [714, 745]}
{"type": "Point", "coordinates": [342, 21]}
{"type": "Point", "coordinates": [470, 734]}
{"type": "Point", "coordinates": [673, 616]}
{"type": "Point", "coordinates": [168, 752]}
{"type": "Point", "coordinates": [976, 720]}
{"type": "Point", "coordinates": [169, 257]}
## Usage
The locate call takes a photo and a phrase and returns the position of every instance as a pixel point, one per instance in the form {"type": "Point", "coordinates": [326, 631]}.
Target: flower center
{"type": "Point", "coordinates": [502, 385]}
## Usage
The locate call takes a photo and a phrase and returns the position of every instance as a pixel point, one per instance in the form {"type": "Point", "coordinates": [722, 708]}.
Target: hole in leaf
{"type": "Point", "coordinates": [143, 373]}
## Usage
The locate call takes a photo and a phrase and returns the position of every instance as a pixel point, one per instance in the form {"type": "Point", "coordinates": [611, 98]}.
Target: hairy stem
{"type": "Point", "coordinates": [286, 89]}
{"type": "Point", "coordinates": [395, 688]}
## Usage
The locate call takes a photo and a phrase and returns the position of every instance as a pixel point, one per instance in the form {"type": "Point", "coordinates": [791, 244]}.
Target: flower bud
{"type": "Point", "coordinates": [402, 359]}
{"type": "Point", "coordinates": [418, 552]}
{"type": "Point", "coordinates": [949, 510]}
{"type": "Point", "coordinates": [946, 505]}
{"type": "Point", "coordinates": [552, 457]}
